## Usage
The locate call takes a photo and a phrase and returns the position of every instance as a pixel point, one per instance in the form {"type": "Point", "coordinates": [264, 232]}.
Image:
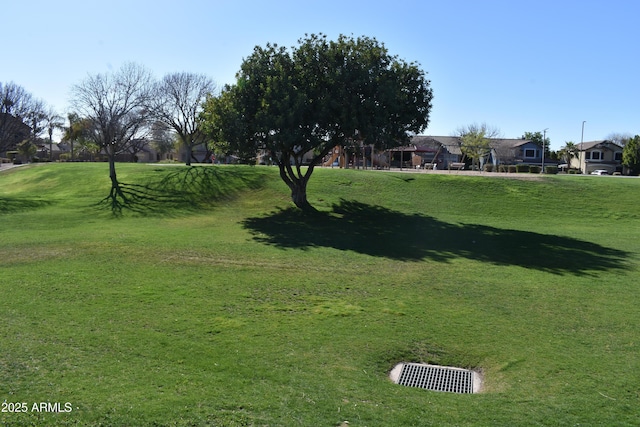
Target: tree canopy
{"type": "Point", "coordinates": [475, 141]}
{"type": "Point", "coordinates": [177, 102]}
{"type": "Point", "coordinates": [631, 155]}
{"type": "Point", "coordinates": [568, 152]}
{"type": "Point", "coordinates": [312, 97]}
{"type": "Point", "coordinates": [538, 138]}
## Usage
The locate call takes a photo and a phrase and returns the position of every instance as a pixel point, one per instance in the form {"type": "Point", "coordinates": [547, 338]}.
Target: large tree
{"type": "Point", "coordinates": [21, 116]}
{"type": "Point", "coordinates": [315, 96]}
{"type": "Point", "coordinates": [631, 155]}
{"type": "Point", "coordinates": [178, 100]}
{"type": "Point", "coordinates": [116, 107]}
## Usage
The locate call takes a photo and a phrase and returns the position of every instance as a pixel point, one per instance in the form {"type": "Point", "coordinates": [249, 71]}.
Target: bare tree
{"type": "Point", "coordinates": [162, 138]}
{"type": "Point", "coordinates": [136, 146]}
{"type": "Point", "coordinates": [178, 102]}
{"type": "Point", "coordinates": [475, 141]}
{"type": "Point", "coordinates": [37, 119]}
{"type": "Point", "coordinates": [21, 116]}
{"type": "Point", "coordinates": [619, 138]}
{"type": "Point", "coordinates": [117, 107]}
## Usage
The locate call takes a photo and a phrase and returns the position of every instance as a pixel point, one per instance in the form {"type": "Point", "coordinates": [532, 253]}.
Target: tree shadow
{"type": "Point", "coordinates": [141, 199]}
{"type": "Point", "coordinates": [381, 232]}
{"type": "Point", "coordinates": [185, 189]}
{"type": "Point", "coordinates": [17, 204]}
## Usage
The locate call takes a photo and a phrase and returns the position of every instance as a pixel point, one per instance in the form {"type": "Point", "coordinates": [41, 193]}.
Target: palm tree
{"type": "Point", "coordinates": [568, 152]}
{"type": "Point", "coordinates": [76, 131]}
{"type": "Point", "coordinates": [53, 121]}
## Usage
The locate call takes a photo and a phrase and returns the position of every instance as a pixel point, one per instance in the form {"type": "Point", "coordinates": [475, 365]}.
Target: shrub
{"type": "Point", "coordinates": [488, 167]}
{"type": "Point", "coordinates": [513, 169]}
{"type": "Point", "coordinates": [552, 170]}
{"type": "Point", "coordinates": [522, 168]}
{"type": "Point", "coordinates": [534, 169]}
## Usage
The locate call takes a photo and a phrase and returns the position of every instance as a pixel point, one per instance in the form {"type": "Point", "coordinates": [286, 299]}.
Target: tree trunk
{"type": "Point", "coordinates": [189, 154]}
{"type": "Point", "coordinates": [116, 190]}
{"type": "Point", "coordinates": [297, 183]}
{"type": "Point", "coordinates": [299, 194]}
{"type": "Point", "coordinates": [112, 170]}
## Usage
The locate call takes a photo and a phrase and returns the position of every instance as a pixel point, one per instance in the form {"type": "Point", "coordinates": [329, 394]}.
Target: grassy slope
{"type": "Point", "coordinates": [240, 312]}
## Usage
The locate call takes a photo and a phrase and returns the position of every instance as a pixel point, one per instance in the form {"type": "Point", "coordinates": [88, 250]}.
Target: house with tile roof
{"type": "Point", "coordinates": [445, 151]}
{"type": "Point", "coordinates": [594, 155]}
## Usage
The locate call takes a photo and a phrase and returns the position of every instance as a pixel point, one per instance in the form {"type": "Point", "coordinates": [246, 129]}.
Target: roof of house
{"type": "Point", "coordinates": [589, 145]}
{"type": "Point", "coordinates": [453, 143]}
{"type": "Point", "coordinates": [509, 142]}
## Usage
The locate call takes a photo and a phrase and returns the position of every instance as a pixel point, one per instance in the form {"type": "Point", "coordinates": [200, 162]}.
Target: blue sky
{"type": "Point", "coordinates": [517, 65]}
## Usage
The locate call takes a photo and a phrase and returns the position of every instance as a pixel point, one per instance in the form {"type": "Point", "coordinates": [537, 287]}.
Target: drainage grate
{"type": "Point", "coordinates": [436, 378]}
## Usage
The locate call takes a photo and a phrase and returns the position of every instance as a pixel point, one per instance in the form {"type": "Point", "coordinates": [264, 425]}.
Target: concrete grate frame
{"type": "Point", "coordinates": [436, 378]}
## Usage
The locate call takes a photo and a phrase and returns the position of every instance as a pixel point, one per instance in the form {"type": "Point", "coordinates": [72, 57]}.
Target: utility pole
{"type": "Point", "coordinates": [581, 141]}
{"type": "Point", "coordinates": [544, 142]}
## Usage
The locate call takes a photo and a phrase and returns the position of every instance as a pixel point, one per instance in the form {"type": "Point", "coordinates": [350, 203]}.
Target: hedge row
{"type": "Point", "coordinates": [520, 169]}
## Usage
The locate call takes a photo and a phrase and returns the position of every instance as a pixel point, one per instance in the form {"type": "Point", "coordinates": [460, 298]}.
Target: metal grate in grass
{"type": "Point", "coordinates": [436, 378]}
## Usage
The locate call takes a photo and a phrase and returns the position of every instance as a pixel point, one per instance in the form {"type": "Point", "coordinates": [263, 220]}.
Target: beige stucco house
{"type": "Point", "coordinates": [594, 155]}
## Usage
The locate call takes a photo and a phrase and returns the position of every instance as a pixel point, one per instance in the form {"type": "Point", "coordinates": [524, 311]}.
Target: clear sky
{"type": "Point", "coordinates": [517, 65]}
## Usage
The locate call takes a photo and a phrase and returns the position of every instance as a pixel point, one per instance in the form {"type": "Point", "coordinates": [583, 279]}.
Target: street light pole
{"type": "Point", "coordinates": [50, 144]}
{"type": "Point", "coordinates": [581, 141]}
{"type": "Point", "coordinates": [544, 142]}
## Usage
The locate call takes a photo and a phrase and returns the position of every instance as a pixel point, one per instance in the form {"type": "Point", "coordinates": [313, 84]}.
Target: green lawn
{"type": "Point", "coordinates": [213, 302]}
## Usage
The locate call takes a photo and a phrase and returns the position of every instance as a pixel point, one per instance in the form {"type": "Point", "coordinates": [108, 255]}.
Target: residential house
{"type": "Point", "coordinates": [446, 151]}
{"type": "Point", "coordinates": [48, 151]}
{"type": "Point", "coordinates": [595, 155]}
{"type": "Point", "coordinates": [515, 151]}
{"type": "Point", "coordinates": [433, 152]}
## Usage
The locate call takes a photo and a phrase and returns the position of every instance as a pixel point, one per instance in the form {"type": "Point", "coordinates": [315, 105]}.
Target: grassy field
{"type": "Point", "coordinates": [213, 302]}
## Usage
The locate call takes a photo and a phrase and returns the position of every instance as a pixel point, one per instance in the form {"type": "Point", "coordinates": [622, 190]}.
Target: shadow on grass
{"type": "Point", "coordinates": [185, 189]}
{"type": "Point", "coordinates": [381, 232]}
{"type": "Point", "coordinates": [17, 204]}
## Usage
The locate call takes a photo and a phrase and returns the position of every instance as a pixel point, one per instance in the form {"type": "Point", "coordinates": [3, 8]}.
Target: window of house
{"type": "Point", "coordinates": [530, 152]}
{"type": "Point", "coordinates": [618, 156]}
{"type": "Point", "coordinates": [596, 155]}
{"type": "Point", "coordinates": [587, 155]}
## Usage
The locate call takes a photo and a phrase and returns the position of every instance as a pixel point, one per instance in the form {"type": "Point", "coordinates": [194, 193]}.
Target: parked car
{"type": "Point", "coordinates": [600, 172]}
